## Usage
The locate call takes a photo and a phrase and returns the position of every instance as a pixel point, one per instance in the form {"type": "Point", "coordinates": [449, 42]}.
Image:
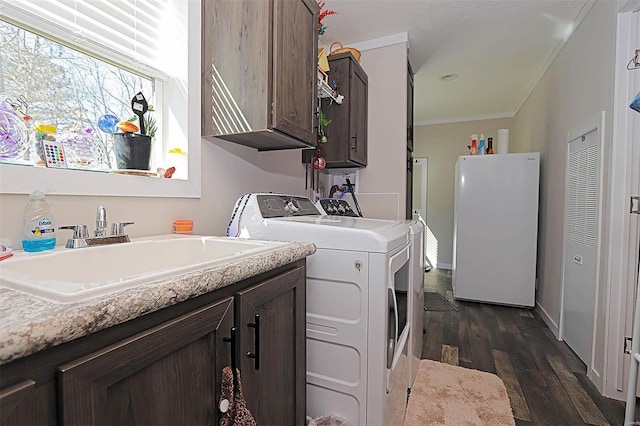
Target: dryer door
{"type": "Point", "coordinates": [397, 338]}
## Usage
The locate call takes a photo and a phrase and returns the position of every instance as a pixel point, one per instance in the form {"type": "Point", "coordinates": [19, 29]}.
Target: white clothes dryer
{"type": "Point", "coordinates": [357, 333]}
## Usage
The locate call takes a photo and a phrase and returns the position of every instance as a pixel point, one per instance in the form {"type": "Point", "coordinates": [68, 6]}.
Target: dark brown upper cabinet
{"type": "Point", "coordinates": [259, 60]}
{"type": "Point", "coordinates": [347, 133]}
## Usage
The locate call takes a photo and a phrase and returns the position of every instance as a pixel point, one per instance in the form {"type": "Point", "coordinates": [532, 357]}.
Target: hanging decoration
{"type": "Point", "coordinates": [635, 104]}
{"type": "Point", "coordinates": [324, 122]}
{"type": "Point", "coordinates": [14, 137]}
{"type": "Point", "coordinates": [634, 63]}
{"type": "Point", "coordinates": [323, 14]}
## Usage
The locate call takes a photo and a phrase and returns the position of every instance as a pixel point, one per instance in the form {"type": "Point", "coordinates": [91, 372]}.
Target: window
{"type": "Point", "coordinates": [71, 62]}
{"type": "Point", "coordinates": [47, 83]}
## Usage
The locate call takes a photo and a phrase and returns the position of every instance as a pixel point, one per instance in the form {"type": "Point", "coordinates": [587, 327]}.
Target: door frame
{"type": "Point", "coordinates": [620, 283]}
{"type": "Point", "coordinates": [424, 161]}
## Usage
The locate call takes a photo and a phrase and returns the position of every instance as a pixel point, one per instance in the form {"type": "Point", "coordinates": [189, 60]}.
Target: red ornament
{"type": "Point", "coordinates": [319, 163]}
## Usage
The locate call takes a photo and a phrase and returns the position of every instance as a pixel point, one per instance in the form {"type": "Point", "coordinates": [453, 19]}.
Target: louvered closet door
{"type": "Point", "coordinates": [581, 243]}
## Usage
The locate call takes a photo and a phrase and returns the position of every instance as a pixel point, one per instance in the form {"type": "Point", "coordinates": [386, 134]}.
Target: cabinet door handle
{"type": "Point", "coordinates": [256, 341]}
{"type": "Point", "coordinates": [354, 142]}
{"type": "Point", "coordinates": [234, 363]}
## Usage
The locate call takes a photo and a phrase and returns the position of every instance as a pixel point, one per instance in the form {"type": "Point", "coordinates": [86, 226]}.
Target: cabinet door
{"type": "Point", "coordinates": [347, 131]}
{"type": "Point", "coordinates": [294, 68]}
{"type": "Point", "coordinates": [274, 381]}
{"type": "Point", "coordinates": [167, 375]}
{"type": "Point", "coordinates": [259, 72]}
{"type": "Point", "coordinates": [18, 404]}
{"type": "Point", "coordinates": [358, 126]}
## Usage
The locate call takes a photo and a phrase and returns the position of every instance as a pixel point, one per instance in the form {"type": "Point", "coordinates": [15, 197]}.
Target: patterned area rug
{"type": "Point", "coordinates": [434, 301]}
{"type": "Point", "coordinates": [444, 394]}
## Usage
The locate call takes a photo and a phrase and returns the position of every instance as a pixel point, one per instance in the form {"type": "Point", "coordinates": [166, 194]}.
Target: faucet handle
{"type": "Point", "coordinates": [79, 231]}
{"type": "Point", "coordinates": [117, 228]}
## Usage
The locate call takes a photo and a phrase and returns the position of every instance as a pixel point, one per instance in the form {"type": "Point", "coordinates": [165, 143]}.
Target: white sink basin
{"type": "Point", "coordinates": [70, 275]}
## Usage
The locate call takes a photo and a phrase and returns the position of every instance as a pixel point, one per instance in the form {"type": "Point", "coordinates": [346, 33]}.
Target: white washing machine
{"type": "Point", "coordinates": [357, 332]}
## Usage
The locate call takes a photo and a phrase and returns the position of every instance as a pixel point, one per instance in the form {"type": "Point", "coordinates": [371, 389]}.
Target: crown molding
{"type": "Point", "coordinates": [381, 41]}
{"type": "Point", "coordinates": [463, 119]}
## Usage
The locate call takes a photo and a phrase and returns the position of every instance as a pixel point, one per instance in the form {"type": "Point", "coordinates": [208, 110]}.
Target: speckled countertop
{"type": "Point", "coordinates": [29, 324]}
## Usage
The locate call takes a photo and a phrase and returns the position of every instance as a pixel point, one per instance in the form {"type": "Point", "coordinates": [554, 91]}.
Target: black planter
{"type": "Point", "coordinates": [133, 150]}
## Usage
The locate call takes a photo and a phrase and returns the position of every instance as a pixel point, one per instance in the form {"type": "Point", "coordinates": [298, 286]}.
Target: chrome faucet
{"type": "Point", "coordinates": [101, 221]}
{"type": "Point", "coordinates": [81, 233]}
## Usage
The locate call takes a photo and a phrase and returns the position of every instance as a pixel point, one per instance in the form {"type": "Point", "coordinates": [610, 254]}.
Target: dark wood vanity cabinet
{"type": "Point", "coordinates": [347, 133]}
{"type": "Point", "coordinates": [259, 61]}
{"type": "Point", "coordinates": [165, 368]}
{"type": "Point", "coordinates": [18, 404]}
{"type": "Point", "coordinates": [273, 386]}
{"type": "Point", "coordinates": [167, 375]}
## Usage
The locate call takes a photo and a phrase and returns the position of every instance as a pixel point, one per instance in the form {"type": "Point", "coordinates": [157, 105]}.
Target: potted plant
{"type": "Point", "coordinates": [132, 145]}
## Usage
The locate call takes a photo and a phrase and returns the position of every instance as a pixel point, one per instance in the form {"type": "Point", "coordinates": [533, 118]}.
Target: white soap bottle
{"type": "Point", "coordinates": [38, 226]}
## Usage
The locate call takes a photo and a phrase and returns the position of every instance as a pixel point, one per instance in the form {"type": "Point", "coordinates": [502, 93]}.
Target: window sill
{"type": "Point", "coordinates": [16, 179]}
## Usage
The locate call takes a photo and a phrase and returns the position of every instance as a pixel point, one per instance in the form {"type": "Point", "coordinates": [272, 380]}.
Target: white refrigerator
{"type": "Point", "coordinates": [495, 232]}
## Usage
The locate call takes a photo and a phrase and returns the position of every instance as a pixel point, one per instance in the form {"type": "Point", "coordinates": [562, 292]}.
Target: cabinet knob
{"type": "Point", "coordinates": [354, 142]}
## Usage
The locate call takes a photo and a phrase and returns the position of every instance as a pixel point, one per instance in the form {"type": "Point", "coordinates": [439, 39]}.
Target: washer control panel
{"type": "Point", "coordinates": [335, 207]}
{"type": "Point", "coordinates": [281, 205]}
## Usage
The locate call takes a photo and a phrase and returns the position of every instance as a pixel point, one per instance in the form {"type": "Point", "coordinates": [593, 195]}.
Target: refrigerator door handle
{"type": "Point", "coordinates": [635, 200]}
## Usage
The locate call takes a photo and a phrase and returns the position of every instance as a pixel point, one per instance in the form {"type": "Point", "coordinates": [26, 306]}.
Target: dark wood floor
{"type": "Point", "coordinates": [546, 382]}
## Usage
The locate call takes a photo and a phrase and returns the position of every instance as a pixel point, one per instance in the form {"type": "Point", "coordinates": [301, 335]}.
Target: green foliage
{"type": "Point", "coordinates": [323, 120]}
{"type": "Point", "coordinates": [151, 125]}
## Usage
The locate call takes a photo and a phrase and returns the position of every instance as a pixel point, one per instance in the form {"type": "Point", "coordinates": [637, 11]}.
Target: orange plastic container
{"type": "Point", "coordinates": [182, 226]}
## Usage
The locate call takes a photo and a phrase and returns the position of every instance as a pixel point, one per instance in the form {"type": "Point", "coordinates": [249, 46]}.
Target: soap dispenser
{"type": "Point", "coordinates": [38, 226]}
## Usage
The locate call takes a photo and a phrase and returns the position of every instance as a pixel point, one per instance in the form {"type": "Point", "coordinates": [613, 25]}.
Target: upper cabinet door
{"type": "Point", "coordinates": [258, 72]}
{"type": "Point", "coordinates": [347, 132]}
{"type": "Point", "coordinates": [359, 93]}
{"type": "Point", "coordinates": [295, 60]}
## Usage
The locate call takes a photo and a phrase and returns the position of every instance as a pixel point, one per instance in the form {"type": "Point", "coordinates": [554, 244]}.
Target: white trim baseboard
{"type": "Point", "coordinates": [444, 266]}
{"type": "Point", "coordinates": [548, 320]}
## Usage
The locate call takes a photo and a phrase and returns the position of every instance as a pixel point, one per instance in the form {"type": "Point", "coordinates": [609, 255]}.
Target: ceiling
{"type": "Point", "coordinates": [498, 49]}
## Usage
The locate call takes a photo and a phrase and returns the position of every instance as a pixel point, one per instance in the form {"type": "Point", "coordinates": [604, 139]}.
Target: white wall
{"type": "Point", "coordinates": [381, 187]}
{"type": "Point", "coordinates": [578, 85]}
{"type": "Point", "coordinates": [228, 171]}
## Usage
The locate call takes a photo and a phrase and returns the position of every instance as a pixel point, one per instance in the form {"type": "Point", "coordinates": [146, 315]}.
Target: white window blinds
{"type": "Point", "coordinates": [129, 32]}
